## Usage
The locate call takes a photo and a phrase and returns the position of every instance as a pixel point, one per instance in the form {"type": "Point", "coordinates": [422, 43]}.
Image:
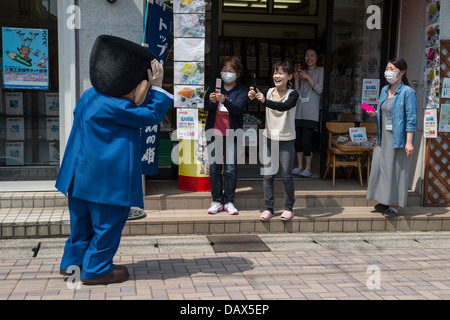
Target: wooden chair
{"type": "Point", "coordinates": [371, 129]}
{"type": "Point", "coordinates": [339, 128]}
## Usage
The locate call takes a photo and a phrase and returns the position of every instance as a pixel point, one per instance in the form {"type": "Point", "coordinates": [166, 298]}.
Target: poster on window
{"type": "Point", "coordinates": [52, 126]}
{"type": "Point", "coordinates": [444, 121]}
{"type": "Point", "coordinates": [15, 129]}
{"type": "Point", "coordinates": [445, 88]}
{"type": "Point", "coordinates": [25, 58]}
{"type": "Point", "coordinates": [53, 153]}
{"type": "Point", "coordinates": [14, 103]}
{"type": "Point", "coordinates": [250, 135]}
{"type": "Point", "coordinates": [52, 104]}
{"type": "Point", "coordinates": [14, 153]}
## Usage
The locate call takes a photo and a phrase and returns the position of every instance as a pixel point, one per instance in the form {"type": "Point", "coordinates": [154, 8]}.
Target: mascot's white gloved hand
{"type": "Point", "coordinates": [157, 73]}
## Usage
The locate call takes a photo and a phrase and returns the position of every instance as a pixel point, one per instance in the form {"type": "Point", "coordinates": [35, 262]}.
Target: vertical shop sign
{"type": "Point", "coordinates": [158, 32]}
{"type": "Point", "coordinates": [25, 58]}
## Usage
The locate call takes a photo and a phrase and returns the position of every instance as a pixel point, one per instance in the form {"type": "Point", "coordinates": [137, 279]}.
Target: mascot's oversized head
{"type": "Point", "coordinates": [120, 68]}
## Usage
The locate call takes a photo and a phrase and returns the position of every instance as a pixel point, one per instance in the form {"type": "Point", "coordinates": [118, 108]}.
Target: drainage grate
{"type": "Point", "coordinates": [237, 243]}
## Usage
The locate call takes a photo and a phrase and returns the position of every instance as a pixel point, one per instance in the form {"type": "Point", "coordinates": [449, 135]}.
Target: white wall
{"type": "Point", "coordinates": [124, 18]}
{"type": "Point", "coordinates": [444, 20]}
{"type": "Point", "coordinates": [411, 47]}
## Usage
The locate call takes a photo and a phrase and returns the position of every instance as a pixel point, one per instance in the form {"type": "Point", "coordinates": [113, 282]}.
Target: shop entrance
{"type": "Point", "coordinates": [355, 39]}
{"type": "Point", "coordinates": [262, 33]}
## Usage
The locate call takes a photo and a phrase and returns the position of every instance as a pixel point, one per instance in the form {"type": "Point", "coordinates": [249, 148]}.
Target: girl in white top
{"type": "Point", "coordinates": [280, 102]}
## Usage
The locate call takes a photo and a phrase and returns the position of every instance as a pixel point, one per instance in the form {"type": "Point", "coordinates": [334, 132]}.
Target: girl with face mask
{"type": "Point", "coordinates": [397, 122]}
{"type": "Point", "coordinates": [225, 105]}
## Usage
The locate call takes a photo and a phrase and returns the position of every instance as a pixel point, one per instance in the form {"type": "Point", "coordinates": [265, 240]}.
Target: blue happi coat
{"type": "Point", "coordinates": [103, 155]}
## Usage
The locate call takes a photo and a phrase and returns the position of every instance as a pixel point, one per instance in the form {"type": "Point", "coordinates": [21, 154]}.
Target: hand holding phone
{"type": "Point", "coordinates": [253, 81]}
{"type": "Point", "coordinates": [367, 107]}
{"type": "Point", "coordinates": [218, 85]}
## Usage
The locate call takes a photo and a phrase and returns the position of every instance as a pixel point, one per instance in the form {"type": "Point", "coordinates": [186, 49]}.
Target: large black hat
{"type": "Point", "coordinates": [117, 65]}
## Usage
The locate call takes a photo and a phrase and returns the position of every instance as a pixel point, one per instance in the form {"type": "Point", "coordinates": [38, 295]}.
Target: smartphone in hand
{"type": "Point", "coordinates": [218, 85]}
{"type": "Point", "coordinates": [367, 107]}
{"type": "Point", "coordinates": [253, 81]}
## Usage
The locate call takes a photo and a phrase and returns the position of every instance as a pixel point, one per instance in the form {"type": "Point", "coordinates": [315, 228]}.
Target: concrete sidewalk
{"type": "Point", "coordinates": [357, 266]}
{"type": "Point", "coordinates": [171, 211]}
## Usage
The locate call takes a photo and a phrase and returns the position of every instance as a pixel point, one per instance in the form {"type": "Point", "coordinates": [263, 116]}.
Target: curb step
{"type": "Point", "coordinates": [45, 214]}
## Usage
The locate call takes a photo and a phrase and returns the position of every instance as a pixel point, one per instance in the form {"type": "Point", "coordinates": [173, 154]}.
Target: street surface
{"type": "Point", "coordinates": [319, 266]}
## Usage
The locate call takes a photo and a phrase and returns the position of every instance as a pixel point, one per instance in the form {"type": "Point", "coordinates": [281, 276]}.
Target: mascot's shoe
{"type": "Point", "coordinates": [117, 275]}
{"type": "Point", "coordinates": [67, 273]}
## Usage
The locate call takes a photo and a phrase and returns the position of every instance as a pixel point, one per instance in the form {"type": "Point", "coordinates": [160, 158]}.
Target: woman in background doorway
{"type": "Point", "coordinates": [309, 84]}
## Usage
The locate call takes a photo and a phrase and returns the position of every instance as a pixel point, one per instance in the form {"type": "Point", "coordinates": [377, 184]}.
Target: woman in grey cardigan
{"type": "Point", "coordinates": [309, 84]}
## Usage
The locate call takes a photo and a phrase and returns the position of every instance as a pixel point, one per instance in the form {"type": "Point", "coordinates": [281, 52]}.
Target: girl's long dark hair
{"type": "Point", "coordinates": [401, 65]}
{"type": "Point", "coordinates": [287, 67]}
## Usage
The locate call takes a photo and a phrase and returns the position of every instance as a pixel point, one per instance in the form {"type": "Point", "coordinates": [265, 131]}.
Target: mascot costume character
{"type": "Point", "coordinates": [101, 169]}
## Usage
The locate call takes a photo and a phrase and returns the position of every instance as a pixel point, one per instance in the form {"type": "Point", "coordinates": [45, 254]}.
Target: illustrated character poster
{"type": "Point", "coordinates": [25, 58]}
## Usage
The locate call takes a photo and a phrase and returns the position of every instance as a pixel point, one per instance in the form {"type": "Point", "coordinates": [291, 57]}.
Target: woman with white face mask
{"type": "Point", "coordinates": [397, 122]}
{"type": "Point", "coordinates": [225, 105]}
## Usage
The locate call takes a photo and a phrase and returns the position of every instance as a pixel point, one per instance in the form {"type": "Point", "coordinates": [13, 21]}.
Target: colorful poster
{"type": "Point", "coordinates": [358, 134]}
{"type": "Point", "coordinates": [189, 26]}
{"type": "Point", "coordinates": [25, 58]}
{"type": "Point", "coordinates": [189, 6]}
{"type": "Point", "coordinates": [189, 96]}
{"type": "Point", "coordinates": [189, 72]}
{"type": "Point", "coordinates": [444, 121]}
{"type": "Point", "coordinates": [432, 35]}
{"type": "Point", "coordinates": [430, 123]}
{"type": "Point", "coordinates": [370, 91]}
{"type": "Point", "coordinates": [187, 124]}
{"type": "Point", "coordinates": [432, 58]}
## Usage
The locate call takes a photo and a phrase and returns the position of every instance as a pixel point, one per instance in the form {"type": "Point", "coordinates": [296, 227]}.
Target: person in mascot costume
{"type": "Point", "coordinates": [101, 169]}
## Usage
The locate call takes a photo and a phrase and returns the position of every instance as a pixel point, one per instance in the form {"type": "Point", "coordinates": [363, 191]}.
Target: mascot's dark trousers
{"type": "Point", "coordinates": [95, 239]}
